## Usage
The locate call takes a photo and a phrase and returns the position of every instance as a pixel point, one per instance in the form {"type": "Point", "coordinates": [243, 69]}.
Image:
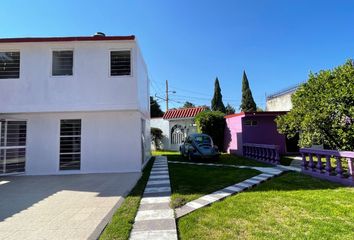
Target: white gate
{"type": "Point", "coordinates": [12, 146]}
{"type": "Point", "coordinates": [177, 135]}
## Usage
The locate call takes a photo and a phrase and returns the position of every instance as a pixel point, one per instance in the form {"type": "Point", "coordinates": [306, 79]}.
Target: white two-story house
{"type": "Point", "coordinates": [73, 105]}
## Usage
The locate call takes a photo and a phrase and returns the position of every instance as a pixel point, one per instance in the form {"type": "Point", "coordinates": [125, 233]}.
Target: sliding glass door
{"type": "Point", "coordinates": [12, 146]}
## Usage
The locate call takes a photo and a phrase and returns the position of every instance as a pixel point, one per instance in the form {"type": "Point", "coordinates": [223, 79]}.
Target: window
{"type": "Point", "coordinates": [70, 144]}
{"type": "Point", "coordinates": [62, 64]}
{"type": "Point", "coordinates": [251, 122]}
{"type": "Point", "coordinates": [120, 63]}
{"type": "Point", "coordinates": [9, 65]}
{"type": "Point", "coordinates": [12, 146]}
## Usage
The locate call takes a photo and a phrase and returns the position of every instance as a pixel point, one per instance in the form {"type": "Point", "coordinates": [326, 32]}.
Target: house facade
{"type": "Point", "coordinates": [73, 105]}
{"type": "Point", "coordinates": [256, 128]}
{"type": "Point", "coordinates": [281, 100]}
{"type": "Point", "coordinates": [176, 125]}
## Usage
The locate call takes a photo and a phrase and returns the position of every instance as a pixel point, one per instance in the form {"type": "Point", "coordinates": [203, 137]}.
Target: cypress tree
{"type": "Point", "coordinates": [248, 104]}
{"type": "Point", "coordinates": [216, 102]}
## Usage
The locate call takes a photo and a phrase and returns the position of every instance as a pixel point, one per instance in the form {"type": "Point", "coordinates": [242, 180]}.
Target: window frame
{"type": "Point", "coordinates": [19, 68]}
{"type": "Point", "coordinates": [131, 62]}
{"type": "Point", "coordinates": [73, 136]}
{"type": "Point", "coordinates": [51, 62]}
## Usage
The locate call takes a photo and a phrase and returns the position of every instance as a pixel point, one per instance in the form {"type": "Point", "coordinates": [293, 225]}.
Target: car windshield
{"type": "Point", "coordinates": [202, 140]}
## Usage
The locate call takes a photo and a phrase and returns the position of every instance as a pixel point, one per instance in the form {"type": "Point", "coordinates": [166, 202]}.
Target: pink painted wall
{"type": "Point", "coordinates": [233, 135]}
{"type": "Point", "coordinates": [265, 132]}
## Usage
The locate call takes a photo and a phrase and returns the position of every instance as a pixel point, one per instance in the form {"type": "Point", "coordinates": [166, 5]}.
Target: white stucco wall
{"type": "Point", "coordinates": [110, 141]}
{"type": "Point", "coordinates": [280, 103]}
{"type": "Point", "coordinates": [164, 126]}
{"type": "Point", "coordinates": [90, 88]}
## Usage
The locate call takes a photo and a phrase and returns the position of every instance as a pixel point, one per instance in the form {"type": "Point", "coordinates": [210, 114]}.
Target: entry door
{"type": "Point", "coordinates": [12, 146]}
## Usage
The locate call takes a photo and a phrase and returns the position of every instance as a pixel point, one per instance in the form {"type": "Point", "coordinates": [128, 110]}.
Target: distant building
{"type": "Point", "coordinates": [176, 125]}
{"type": "Point", "coordinates": [281, 100]}
{"type": "Point", "coordinates": [256, 128]}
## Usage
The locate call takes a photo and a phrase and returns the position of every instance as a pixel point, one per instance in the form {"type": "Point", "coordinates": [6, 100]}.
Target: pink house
{"type": "Point", "coordinates": [257, 128]}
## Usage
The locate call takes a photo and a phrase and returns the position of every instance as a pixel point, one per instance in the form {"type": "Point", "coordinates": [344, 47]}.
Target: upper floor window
{"type": "Point", "coordinates": [120, 63]}
{"type": "Point", "coordinates": [9, 65]}
{"type": "Point", "coordinates": [251, 122]}
{"type": "Point", "coordinates": [62, 63]}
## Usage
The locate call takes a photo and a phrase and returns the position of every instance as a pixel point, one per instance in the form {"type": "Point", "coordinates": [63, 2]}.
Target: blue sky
{"type": "Point", "coordinates": [277, 42]}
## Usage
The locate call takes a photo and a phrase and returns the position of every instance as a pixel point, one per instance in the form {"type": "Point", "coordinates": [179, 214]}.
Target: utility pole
{"type": "Point", "coordinates": [166, 95]}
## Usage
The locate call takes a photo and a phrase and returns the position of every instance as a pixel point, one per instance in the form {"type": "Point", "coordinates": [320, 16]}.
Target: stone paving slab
{"type": "Point", "coordinates": [155, 219]}
{"type": "Point", "coordinates": [61, 207]}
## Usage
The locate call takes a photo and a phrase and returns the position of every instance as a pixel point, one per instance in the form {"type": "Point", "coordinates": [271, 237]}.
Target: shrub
{"type": "Point", "coordinates": [323, 110]}
{"type": "Point", "coordinates": [213, 124]}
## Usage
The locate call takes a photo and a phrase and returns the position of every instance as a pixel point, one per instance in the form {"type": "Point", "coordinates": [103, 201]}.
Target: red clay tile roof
{"type": "Point", "coordinates": [183, 113]}
{"type": "Point", "coordinates": [65, 39]}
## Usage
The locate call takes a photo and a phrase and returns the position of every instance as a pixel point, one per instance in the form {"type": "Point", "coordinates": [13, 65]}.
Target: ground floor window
{"type": "Point", "coordinates": [70, 144]}
{"type": "Point", "coordinates": [12, 146]}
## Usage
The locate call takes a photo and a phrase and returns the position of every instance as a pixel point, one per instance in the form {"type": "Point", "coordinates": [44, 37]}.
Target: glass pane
{"type": "Point", "coordinates": [62, 63]}
{"type": "Point", "coordinates": [120, 63]}
{"type": "Point", "coordinates": [9, 65]}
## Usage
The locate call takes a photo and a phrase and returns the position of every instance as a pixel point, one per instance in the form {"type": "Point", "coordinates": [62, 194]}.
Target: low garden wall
{"type": "Point", "coordinates": [262, 152]}
{"type": "Point", "coordinates": [332, 165]}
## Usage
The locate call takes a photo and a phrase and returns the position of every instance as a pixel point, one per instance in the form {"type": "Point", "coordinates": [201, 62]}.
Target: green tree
{"type": "Point", "coordinates": [248, 104]}
{"type": "Point", "coordinates": [188, 105]}
{"type": "Point", "coordinates": [156, 137]}
{"type": "Point", "coordinates": [216, 102]}
{"type": "Point", "coordinates": [323, 110]}
{"type": "Point", "coordinates": [155, 109]}
{"type": "Point", "coordinates": [213, 124]}
{"type": "Point", "coordinates": [229, 109]}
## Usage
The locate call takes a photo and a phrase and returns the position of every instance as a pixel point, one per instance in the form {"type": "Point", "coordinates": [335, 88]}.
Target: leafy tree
{"type": "Point", "coordinates": [213, 124]}
{"type": "Point", "coordinates": [155, 109]}
{"type": "Point", "coordinates": [188, 105]}
{"type": "Point", "coordinates": [156, 137]}
{"type": "Point", "coordinates": [229, 109]}
{"type": "Point", "coordinates": [323, 110]}
{"type": "Point", "coordinates": [216, 102]}
{"type": "Point", "coordinates": [248, 104]}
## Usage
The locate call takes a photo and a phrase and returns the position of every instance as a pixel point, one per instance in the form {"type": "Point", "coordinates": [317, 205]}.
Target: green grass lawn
{"type": "Point", "coordinates": [190, 182]}
{"type": "Point", "coordinates": [291, 206]}
{"type": "Point", "coordinates": [123, 219]}
{"type": "Point", "coordinates": [224, 159]}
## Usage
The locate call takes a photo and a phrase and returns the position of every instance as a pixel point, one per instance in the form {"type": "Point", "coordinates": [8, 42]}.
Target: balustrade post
{"type": "Point", "coordinates": [277, 156]}
{"type": "Point", "coordinates": [267, 154]}
{"type": "Point", "coordinates": [311, 163]}
{"type": "Point", "coordinates": [351, 168]}
{"type": "Point", "coordinates": [319, 163]}
{"type": "Point", "coordinates": [304, 162]}
{"type": "Point", "coordinates": [328, 165]}
{"type": "Point", "coordinates": [339, 169]}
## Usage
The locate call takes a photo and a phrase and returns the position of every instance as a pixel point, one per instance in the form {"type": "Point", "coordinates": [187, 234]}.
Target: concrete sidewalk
{"type": "Point", "coordinates": [60, 207]}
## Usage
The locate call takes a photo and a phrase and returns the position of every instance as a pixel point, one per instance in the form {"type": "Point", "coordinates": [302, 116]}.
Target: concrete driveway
{"type": "Point", "coordinates": [60, 207]}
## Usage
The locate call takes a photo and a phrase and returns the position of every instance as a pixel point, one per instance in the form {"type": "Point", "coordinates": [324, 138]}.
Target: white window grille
{"type": "Point", "coordinates": [70, 144]}
{"type": "Point", "coordinates": [9, 65]}
{"type": "Point", "coordinates": [62, 63]}
{"type": "Point", "coordinates": [120, 63]}
{"type": "Point", "coordinates": [12, 146]}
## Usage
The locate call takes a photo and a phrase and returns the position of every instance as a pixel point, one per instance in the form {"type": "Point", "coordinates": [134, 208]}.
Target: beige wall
{"type": "Point", "coordinates": [280, 103]}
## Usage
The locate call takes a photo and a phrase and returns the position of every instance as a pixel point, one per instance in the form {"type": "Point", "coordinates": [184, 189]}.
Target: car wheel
{"type": "Point", "coordinates": [190, 158]}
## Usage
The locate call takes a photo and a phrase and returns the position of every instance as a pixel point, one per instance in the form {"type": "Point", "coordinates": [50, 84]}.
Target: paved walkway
{"type": "Point", "coordinates": [155, 218]}
{"type": "Point", "coordinates": [223, 193]}
{"type": "Point", "coordinates": [60, 207]}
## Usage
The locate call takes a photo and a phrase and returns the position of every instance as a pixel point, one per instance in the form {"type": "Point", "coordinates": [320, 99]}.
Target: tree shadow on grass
{"type": "Point", "coordinates": [293, 181]}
